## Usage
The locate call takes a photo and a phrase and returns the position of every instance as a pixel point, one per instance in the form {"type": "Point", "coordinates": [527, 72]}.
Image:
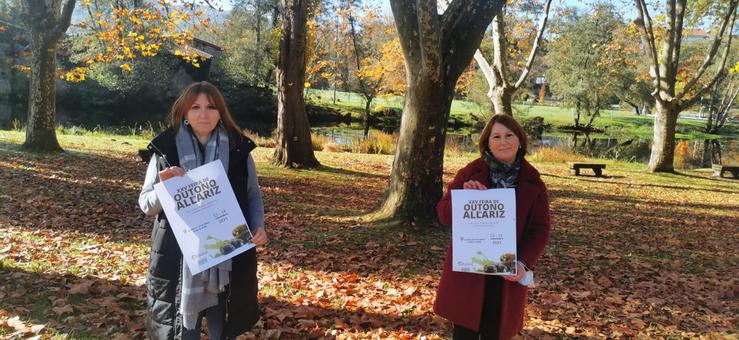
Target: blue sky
{"type": "Point", "coordinates": [628, 8]}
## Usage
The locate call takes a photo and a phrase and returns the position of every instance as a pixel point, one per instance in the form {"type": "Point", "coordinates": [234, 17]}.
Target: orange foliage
{"type": "Point", "coordinates": [122, 34]}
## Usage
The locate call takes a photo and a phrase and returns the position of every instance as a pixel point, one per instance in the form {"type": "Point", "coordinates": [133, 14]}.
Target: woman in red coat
{"type": "Point", "coordinates": [486, 306]}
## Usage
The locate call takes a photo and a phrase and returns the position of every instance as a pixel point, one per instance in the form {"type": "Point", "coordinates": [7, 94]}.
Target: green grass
{"type": "Point", "coordinates": [616, 123]}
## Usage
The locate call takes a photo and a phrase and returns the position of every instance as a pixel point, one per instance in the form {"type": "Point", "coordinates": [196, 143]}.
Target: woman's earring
{"type": "Point", "coordinates": [187, 122]}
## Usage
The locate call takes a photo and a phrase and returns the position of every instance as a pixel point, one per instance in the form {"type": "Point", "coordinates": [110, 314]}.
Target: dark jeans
{"type": "Point", "coordinates": [490, 320]}
{"type": "Point", "coordinates": [216, 317]}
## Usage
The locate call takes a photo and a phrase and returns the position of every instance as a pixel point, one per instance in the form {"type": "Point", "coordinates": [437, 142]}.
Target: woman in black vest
{"type": "Point", "coordinates": [201, 130]}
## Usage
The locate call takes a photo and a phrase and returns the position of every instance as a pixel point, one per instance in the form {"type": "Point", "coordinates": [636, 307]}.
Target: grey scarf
{"type": "Point", "coordinates": [200, 291]}
{"type": "Point", "coordinates": [503, 175]}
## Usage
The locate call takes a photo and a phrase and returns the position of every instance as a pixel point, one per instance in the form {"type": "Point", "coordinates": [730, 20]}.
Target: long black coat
{"type": "Point", "coordinates": [164, 278]}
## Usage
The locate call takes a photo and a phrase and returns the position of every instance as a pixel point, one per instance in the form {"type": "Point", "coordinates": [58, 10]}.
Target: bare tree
{"type": "Point", "coordinates": [501, 89]}
{"type": "Point", "coordinates": [664, 70]}
{"type": "Point", "coordinates": [722, 97]}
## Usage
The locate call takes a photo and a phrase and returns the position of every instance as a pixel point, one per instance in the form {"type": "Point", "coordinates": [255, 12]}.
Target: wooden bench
{"type": "Point", "coordinates": [597, 167]}
{"type": "Point", "coordinates": [719, 169]}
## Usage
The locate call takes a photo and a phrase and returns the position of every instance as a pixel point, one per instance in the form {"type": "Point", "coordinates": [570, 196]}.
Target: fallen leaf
{"type": "Point", "coordinates": [62, 310]}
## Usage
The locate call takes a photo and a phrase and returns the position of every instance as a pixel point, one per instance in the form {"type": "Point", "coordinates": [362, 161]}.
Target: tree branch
{"type": "Point", "coordinates": [64, 20]}
{"type": "Point", "coordinates": [668, 45]}
{"type": "Point", "coordinates": [730, 16]}
{"type": "Point", "coordinates": [10, 24]}
{"type": "Point", "coordinates": [404, 12]}
{"type": "Point", "coordinates": [460, 20]}
{"type": "Point", "coordinates": [684, 104]}
{"type": "Point", "coordinates": [500, 50]}
{"type": "Point", "coordinates": [534, 48]}
{"type": "Point", "coordinates": [645, 21]}
{"type": "Point", "coordinates": [429, 37]}
{"type": "Point", "coordinates": [486, 71]}
{"type": "Point", "coordinates": [725, 113]}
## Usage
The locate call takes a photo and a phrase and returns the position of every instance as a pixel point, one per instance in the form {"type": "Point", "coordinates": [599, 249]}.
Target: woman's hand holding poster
{"type": "Point", "coordinates": [484, 231]}
{"type": "Point", "coordinates": [205, 217]}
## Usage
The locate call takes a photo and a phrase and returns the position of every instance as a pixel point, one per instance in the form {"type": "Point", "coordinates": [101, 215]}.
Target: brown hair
{"type": "Point", "coordinates": [188, 96]}
{"type": "Point", "coordinates": [506, 121]}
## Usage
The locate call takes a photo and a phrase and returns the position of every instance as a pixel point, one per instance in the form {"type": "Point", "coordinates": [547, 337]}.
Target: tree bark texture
{"type": "Point", "coordinates": [47, 22]}
{"type": "Point", "coordinates": [502, 98]}
{"type": "Point", "coordinates": [663, 142]}
{"type": "Point", "coordinates": [416, 176]}
{"type": "Point", "coordinates": [664, 73]}
{"type": "Point", "coordinates": [436, 49]}
{"type": "Point", "coordinates": [294, 147]}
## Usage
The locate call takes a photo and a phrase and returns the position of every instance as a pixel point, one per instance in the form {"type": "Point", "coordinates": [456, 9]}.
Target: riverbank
{"type": "Point", "coordinates": [616, 123]}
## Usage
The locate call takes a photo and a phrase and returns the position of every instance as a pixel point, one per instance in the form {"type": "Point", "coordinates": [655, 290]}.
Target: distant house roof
{"type": "Point", "coordinates": [204, 49]}
{"type": "Point", "coordinates": [207, 43]}
{"type": "Point", "coordinates": [695, 33]}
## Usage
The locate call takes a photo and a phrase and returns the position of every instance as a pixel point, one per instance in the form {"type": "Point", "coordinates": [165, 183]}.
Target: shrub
{"type": "Point", "coordinates": [377, 143]}
{"type": "Point", "coordinates": [333, 147]}
{"type": "Point", "coordinates": [263, 141]}
{"type": "Point", "coordinates": [682, 155]}
{"type": "Point", "coordinates": [559, 154]}
{"type": "Point", "coordinates": [319, 141]}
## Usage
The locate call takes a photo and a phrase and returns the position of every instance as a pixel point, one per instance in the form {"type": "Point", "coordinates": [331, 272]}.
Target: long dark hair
{"type": "Point", "coordinates": [190, 94]}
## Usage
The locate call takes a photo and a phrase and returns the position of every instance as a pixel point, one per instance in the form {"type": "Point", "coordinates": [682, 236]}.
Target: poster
{"type": "Point", "coordinates": [484, 231]}
{"type": "Point", "coordinates": [205, 217]}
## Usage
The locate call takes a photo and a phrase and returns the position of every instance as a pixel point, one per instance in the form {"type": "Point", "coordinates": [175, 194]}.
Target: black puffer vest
{"type": "Point", "coordinates": [163, 280]}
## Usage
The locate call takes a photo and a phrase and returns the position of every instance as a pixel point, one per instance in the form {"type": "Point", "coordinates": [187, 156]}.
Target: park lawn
{"type": "Point", "coordinates": [615, 123]}
{"type": "Point", "coordinates": [633, 254]}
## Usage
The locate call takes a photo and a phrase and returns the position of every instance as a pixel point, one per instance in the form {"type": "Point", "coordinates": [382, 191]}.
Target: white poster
{"type": "Point", "coordinates": [484, 231]}
{"type": "Point", "coordinates": [205, 217]}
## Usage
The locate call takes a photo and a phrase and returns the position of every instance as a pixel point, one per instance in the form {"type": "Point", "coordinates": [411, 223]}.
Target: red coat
{"type": "Point", "coordinates": [460, 295]}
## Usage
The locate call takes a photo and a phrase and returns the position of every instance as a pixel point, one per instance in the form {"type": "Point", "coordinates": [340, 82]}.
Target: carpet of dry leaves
{"type": "Point", "coordinates": [631, 255]}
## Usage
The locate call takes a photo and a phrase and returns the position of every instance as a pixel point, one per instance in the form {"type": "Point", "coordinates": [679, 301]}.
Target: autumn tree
{"type": "Point", "coordinates": [247, 41]}
{"type": "Point", "coordinates": [294, 147]}
{"type": "Point", "coordinates": [632, 85]}
{"type": "Point", "coordinates": [499, 75]}
{"type": "Point", "coordinates": [46, 21]}
{"type": "Point", "coordinates": [122, 32]}
{"type": "Point", "coordinates": [370, 73]}
{"type": "Point", "coordinates": [353, 47]}
{"type": "Point", "coordinates": [114, 32]}
{"type": "Point", "coordinates": [671, 93]}
{"type": "Point", "coordinates": [436, 49]}
{"type": "Point", "coordinates": [329, 46]}
{"type": "Point", "coordinates": [586, 67]}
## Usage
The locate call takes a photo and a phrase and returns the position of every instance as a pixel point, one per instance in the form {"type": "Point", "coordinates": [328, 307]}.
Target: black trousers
{"type": "Point", "coordinates": [490, 320]}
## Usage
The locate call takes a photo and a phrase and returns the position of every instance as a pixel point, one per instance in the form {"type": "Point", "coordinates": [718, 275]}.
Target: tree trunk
{"type": "Point", "coordinates": [294, 146]}
{"type": "Point", "coordinates": [706, 156]}
{"type": "Point", "coordinates": [416, 176]}
{"type": "Point", "coordinates": [716, 152]}
{"type": "Point", "coordinates": [663, 143]}
{"type": "Point", "coordinates": [47, 23]}
{"type": "Point", "coordinates": [436, 49]}
{"type": "Point", "coordinates": [366, 118]}
{"type": "Point", "coordinates": [40, 133]}
{"type": "Point", "coordinates": [501, 98]}
{"type": "Point", "coordinates": [259, 49]}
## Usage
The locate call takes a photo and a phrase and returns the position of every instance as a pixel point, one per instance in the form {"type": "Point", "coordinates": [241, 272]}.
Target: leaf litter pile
{"type": "Point", "coordinates": [631, 255]}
